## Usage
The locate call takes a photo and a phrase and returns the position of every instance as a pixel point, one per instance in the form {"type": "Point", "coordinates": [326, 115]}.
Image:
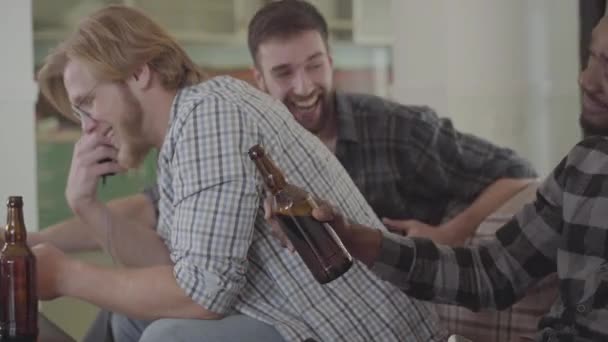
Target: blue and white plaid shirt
{"type": "Point", "coordinates": [225, 258]}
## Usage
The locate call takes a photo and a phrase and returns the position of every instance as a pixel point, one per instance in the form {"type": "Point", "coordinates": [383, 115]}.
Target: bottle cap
{"type": "Point", "coordinates": [14, 201]}
{"type": "Point", "coordinates": [256, 152]}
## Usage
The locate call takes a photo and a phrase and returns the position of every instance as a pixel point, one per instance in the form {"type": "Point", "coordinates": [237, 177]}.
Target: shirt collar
{"type": "Point", "coordinates": [347, 130]}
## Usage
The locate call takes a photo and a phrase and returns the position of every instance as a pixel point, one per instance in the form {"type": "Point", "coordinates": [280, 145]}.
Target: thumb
{"type": "Point", "coordinates": [395, 225]}
{"type": "Point", "coordinates": [268, 208]}
{"type": "Point", "coordinates": [323, 213]}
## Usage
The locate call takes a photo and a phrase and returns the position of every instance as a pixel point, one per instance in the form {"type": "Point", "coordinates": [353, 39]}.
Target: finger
{"type": "Point", "coordinates": [88, 142]}
{"type": "Point", "coordinates": [278, 233]}
{"type": "Point", "coordinates": [400, 231]}
{"type": "Point", "coordinates": [399, 228]}
{"type": "Point", "coordinates": [279, 236]}
{"type": "Point", "coordinates": [396, 224]}
{"type": "Point", "coordinates": [268, 208]}
{"type": "Point", "coordinates": [106, 168]}
{"type": "Point", "coordinates": [323, 203]}
{"type": "Point", "coordinates": [390, 222]}
{"type": "Point", "coordinates": [101, 153]}
{"type": "Point", "coordinates": [323, 213]}
{"type": "Point", "coordinates": [416, 232]}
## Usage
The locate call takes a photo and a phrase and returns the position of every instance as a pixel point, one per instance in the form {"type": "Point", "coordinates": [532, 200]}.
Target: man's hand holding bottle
{"type": "Point", "coordinates": [362, 242]}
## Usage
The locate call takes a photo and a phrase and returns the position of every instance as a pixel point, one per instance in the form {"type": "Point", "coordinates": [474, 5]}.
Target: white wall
{"type": "Point", "coordinates": [17, 99]}
{"type": "Point", "coordinates": [504, 70]}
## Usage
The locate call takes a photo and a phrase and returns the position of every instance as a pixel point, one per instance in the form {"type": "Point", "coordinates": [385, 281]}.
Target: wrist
{"type": "Point", "coordinates": [70, 274]}
{"type": "Point", "coordinates": [35, 238]}
{"type": "Point", "coordinates": [451, 236]}
{"type": "Point", "coordinates": [85, 206]}
{"type": "Point", "coordinates": [464, 224]}
{"type": "Point", "coordinates": [365, 244]}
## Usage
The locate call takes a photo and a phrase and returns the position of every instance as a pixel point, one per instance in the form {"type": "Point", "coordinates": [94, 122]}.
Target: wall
{"type": "Point", "coordinates": [17, 97]}
{"type": "Point", "coordinates": [504, 70]}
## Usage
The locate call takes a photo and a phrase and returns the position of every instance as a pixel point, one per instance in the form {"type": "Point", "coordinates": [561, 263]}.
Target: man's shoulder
{"type": "Point", "coordinates": [599, 143]}
{"type": "Point", "coordinates": [590, 155]}
{"type": "Point", "coordinates": [364, 106]}
{"type": "Point", "coordinates": [220, 87]}
{"type": "Point", "coordinates": [218, 93]}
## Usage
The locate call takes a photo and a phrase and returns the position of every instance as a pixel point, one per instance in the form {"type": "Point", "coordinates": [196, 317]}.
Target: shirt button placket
{"type": "Point", "coordinates": [581, 308]}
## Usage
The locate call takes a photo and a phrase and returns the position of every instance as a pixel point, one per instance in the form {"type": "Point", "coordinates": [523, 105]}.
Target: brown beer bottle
{"type": "Point", "coordinates": [18, 298]}
{"type": "Point", "coordinates": [316, 242]}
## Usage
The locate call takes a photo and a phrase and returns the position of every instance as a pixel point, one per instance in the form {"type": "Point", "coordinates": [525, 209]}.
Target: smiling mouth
{"type": "Point", "coordinates": [306, 105]}
{"type": "Point", "coordinates": [593, 105]}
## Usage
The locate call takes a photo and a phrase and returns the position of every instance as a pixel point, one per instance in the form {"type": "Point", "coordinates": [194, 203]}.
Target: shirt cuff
{"type": "Point", "coordinates": [395, 259]}
{"type": "Point", "coordinates": [214, 293]}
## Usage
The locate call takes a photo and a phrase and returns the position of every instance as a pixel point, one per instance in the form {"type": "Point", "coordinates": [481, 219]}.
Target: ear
{"type": "Point", "coordinates": [141, 78]}
{"type": "Point", "coordinates": [259, 78]}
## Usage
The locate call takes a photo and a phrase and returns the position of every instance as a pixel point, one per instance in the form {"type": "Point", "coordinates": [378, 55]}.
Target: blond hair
{"type": "Point", "coordinates": [114, 42]}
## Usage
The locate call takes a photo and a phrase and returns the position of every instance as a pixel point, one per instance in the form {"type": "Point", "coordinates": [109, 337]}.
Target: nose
{"type": "Point", "coordinates": [589, 79]}
{"type": "Point", "coordinates": [90, 125]}
{"type": "Point", "coordinates": [302, 85]}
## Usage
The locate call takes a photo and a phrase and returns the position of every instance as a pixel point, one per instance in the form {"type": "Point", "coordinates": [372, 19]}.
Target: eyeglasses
{"type": "Point", "coordinates": [80, 113]}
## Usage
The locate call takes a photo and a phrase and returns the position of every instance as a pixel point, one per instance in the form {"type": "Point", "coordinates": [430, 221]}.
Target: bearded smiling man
{"type": "Point", "coordinates": [420, 175]}
{"type": "Point", "coordinates": [594, 117]}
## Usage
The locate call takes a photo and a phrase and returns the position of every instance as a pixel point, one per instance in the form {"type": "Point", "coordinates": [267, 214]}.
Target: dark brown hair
{"type": "Point", "coordinates": [282, 19]}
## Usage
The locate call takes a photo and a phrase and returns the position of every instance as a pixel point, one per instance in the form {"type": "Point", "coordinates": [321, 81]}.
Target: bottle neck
{"type": "Point", "coordinates": [15, 227]}
{"type": "Point", "coordinates": [273, 177]}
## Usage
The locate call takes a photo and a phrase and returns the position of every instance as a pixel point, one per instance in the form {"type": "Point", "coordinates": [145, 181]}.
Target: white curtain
{"type": "Point", "coordinates": [503, 70]}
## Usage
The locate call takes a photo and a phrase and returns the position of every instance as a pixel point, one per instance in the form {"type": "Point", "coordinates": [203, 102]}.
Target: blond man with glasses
{"type": "Point", "coordinates": [212, 254]}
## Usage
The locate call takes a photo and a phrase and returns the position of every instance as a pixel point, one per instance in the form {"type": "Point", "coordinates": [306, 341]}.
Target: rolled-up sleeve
{"type": "Point", "coordinates": [215, 203]}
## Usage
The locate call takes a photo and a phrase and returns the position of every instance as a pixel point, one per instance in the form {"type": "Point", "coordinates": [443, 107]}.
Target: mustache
{"type": "Point", "coordinates": [593, 97]}
{"type": "Point", "coordinates": [293, 98]}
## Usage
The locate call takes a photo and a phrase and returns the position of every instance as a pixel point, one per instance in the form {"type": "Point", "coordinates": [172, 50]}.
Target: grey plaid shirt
{"type": "Point", "coordinates": [211, 218]}
{"type": "Point", "coordinates": [564, 231]}
{"type": "Point", "coordinates": [411, 164]}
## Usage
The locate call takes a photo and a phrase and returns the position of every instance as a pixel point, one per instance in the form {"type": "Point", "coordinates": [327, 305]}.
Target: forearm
{"type": "Point", "coordinates": [444, 274]}
{"type": "Point", "coordinates": [119, 235]}
{"type": "Point", "coordinates": [69, 236]}
{"type": "Point", "coordinates": [431, 272]}
{"type": "Point", "coordinates": [464, 225]}
{"type": "Point", "coordinates": [73, 235]}
{"type": "Point", "coordinates": [492, 274]}
{"type": "Point", "coordinates": [145, 293]}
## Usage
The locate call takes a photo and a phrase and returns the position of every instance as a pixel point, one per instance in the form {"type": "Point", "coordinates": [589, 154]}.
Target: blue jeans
{"type": "Point", "coordinates": [235, 328]}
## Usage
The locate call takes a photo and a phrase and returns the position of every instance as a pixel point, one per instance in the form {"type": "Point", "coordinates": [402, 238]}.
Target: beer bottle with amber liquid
{"type": "Point", "coordinates": [18, 297]}
{"type": "Point", "coordinates": [316, 242]}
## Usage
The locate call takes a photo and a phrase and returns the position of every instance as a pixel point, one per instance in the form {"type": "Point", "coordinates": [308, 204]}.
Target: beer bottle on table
{"type": "Point", "coordinates": [316, 242]}
{"type": "Point", "coordinates": [18, 297]}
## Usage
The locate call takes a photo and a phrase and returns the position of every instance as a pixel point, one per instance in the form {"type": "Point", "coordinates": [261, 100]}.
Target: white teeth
{"type": "Point", "coordinates": [307, 104]}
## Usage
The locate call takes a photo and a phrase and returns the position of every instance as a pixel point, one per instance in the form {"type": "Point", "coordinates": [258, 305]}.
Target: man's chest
{"type": "Point", "coordinates": [582, 266]}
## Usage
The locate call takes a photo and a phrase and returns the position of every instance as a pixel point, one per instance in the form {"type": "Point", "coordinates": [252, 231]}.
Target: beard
{"type": "Point", "coordinates": [133, 146]}
{"type": "Point", "coordinates": [591, 129]}
{"type": "Point", "coordinates": [326, 112]}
